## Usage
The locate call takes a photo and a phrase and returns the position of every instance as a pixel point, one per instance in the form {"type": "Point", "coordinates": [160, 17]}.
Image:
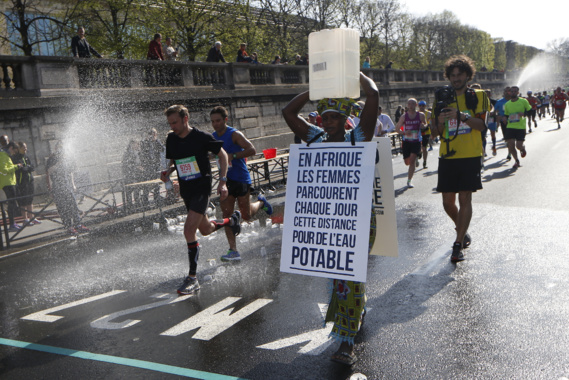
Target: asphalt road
{"type": "Point", "coordinates": [98, 307]}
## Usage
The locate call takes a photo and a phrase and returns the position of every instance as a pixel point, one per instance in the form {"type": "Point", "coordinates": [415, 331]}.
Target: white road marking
{"type": "Point", "coordinates": [442, 253]}
{"type": "Point", "coordinates": [318, 340]}
{"type": "Point", "coordinates": [214, 320]}
{"type": "Point", "coordinates": [105, 322]}
{"type": "Point", "coordinates": [42, 316]}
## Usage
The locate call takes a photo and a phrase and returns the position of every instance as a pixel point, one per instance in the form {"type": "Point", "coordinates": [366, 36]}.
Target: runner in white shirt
{"type": "Point", "coordinates": [387, 125]}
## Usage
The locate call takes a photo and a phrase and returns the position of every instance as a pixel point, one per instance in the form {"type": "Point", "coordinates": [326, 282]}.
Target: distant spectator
{"type": "Point", "coordinates": [388, 66]}
{"type": "Point", "coordinates": [297, 60]}
{"type": "Point", "coordinates": [242, 55]}
{"type": "Point", "coordinates": [398, 112]}
{"type": "Point", "coordinates": [366, 64]}
{"type": "Point", "coordinates": [304, 59]}
{"type": "Point", "coordinates": [170, 53]}
{"type": "Point", "coordinates": [155, 48]}
{"type": "Point", "coordinates": [25, 183]}
{"type": "Point", "coordinates": [152, 152]}
{"type": "Point", "coordinates": [133, 172]}
{"type": "Point", "coordinates": [8, 182]}
{"type": "Point", "coordinates": [214, 54]}
{"type": "Point", "coordinates": [277, 60]}
{"type": "Point", "coordinates": [4, 141]}
{"type": "Point", "coordinates": [61, 183]}
{"type": "Point", "coordinates": [254, 58]}
{"type": "Point", "coordinates": [80, 47]}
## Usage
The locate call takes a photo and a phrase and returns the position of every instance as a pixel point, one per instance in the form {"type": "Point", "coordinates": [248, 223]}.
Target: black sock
{"type": "Point", "coordinates": [193, 255]}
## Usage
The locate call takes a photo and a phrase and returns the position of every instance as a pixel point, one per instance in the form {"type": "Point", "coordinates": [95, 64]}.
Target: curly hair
{"type": "Point", "coordinates": [463, 63]}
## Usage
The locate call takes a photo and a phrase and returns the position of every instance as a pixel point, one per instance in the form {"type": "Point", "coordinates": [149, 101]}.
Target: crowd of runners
{"type": "Point", "coordinates": [515, 115]}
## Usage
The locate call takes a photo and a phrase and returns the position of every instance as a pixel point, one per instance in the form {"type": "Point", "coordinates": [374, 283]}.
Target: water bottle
{"type": "Point", "coordinates": [168, 184]}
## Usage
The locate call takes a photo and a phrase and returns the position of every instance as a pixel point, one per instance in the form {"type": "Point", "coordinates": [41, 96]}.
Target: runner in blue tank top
{"type": "Point", "coordinates": [238, 147]}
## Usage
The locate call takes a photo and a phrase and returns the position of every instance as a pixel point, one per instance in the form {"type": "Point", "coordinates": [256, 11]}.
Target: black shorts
{"type": "Point", "coordinates": [237, 189]}
{"type": "Point", "coordinates": [409, 147]}
{"type": "Point", "coordinates": [532, 113]}
{"type": "Point", "coordinates": [425, 141]}
{"type": "Point", "coordinates": [196, 194]}
{"type": "Point", "coordinates": [25, 190]}
{"type": "Point", "coordinates": [513, 133]}
{"type": "Point", "coordinates": [460, 174]}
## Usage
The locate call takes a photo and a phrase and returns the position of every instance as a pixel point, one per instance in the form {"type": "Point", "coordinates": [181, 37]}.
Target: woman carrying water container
{"type": "Point", "coordinates": [347, 303]}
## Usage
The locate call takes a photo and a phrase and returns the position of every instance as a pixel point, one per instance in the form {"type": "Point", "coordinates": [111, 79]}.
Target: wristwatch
{"type": "Point", "coordinates": [224, 179]}
{"type": "Point", "coordinates": [466, 117]}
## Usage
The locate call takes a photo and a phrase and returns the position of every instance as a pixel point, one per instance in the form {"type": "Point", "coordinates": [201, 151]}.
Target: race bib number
{"type": "Point", "coordinates": [412, 135]}
{"type": "Point", "coordinates": [188, 169]}
{"type": "Point", "coordinates": [514, 118]}
{"type": "Point", "coordinates": [463, 128]}
{"type": "Point", "coordinates": [491, 119]}
{"type": "Point", "coordinates": [559, 102]}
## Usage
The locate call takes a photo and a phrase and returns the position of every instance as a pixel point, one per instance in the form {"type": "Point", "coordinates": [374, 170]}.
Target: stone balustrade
{"type": "Point", "coordinates": [41, 75]}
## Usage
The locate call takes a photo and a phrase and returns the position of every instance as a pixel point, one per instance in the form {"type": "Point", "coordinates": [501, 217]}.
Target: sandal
{"type": "Point", "coordinates": [344, 358]}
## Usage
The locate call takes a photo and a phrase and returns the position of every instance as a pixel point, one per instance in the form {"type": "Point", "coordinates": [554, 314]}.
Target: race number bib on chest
{"type": "Point", "coordinates": [463, 128]}
{"type": "Point", "coordinates": [188, 169]}
{"type": "Point", "coordinates": [514, 118]}
{"type": "Point", "coordinates": [412, 135]}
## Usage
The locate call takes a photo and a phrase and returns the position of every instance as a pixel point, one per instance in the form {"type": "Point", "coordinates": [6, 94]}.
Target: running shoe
{"type": "Point", "coordinates": [266, 205]}
{"type": "Point", "coordinates": [431, 148]}
{"type": "Point", "coordinates": [424, 164]}
{"type": "Point", "coordinates": [410, 184]}
{"type": "Point", "coordinates": [523, 152]}
{"type": "Point", "coordinates": [529, 130]}
{"type": "Point", "coordinates": [517, 165]}
{"type": "Point", "coordinates": [509, 157]}
{"type": "Point", "coordinates": [236, 222]}
{"type": "Point", "coordinates": [417, 162]}
{"type": "Point", "coordinates": [457, 254]}
{"type": "Point", "coordinates": [466, 241]}
{"type": "Point", "coordinates": [35, 221]}
{"type": "Point", "coordinates": [15, 227]}
{"type": "Point", "coordinates": [189, 286]}
{"type": "Point", "coordinates": [231, 256]}
{"type": "Point", "coordinates": [494, 151]}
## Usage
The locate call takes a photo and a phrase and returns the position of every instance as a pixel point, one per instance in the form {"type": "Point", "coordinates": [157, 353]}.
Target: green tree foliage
{"type": "Point", "coordinates": [115, 27]}
{"type": "Point", "coordinates": [123, 29]}
{"type": "Point", "coordinates": [31, 23]}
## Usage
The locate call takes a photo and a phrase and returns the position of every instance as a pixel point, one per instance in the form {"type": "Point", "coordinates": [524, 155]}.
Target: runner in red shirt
{"type": "Point", "coordinates": [559, 101]}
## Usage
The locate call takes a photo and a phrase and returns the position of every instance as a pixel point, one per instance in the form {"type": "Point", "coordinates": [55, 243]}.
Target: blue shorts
{"type": "Point", "coordinates": [493, 127]}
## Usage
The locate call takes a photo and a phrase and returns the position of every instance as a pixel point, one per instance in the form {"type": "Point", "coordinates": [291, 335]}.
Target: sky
{"type": "Point", "coordinates": [530, 25]}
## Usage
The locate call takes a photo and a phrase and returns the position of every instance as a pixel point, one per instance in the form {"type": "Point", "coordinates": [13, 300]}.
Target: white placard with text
{"type": "Point", "coordinates": [327, 210]}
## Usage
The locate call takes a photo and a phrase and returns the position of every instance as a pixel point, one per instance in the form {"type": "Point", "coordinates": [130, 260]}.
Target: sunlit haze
{"type": "Point", "coordinates": [527, 23]}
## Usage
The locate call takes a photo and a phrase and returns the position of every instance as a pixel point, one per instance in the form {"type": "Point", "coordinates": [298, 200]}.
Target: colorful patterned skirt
{"type": "Point", "coordinates": [346, 307]}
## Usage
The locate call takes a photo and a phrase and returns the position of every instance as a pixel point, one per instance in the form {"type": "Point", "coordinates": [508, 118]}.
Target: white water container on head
{"type": "Point", "coordinates": [334, 68]}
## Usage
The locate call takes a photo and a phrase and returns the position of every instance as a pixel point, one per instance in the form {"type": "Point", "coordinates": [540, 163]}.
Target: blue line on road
{"type": "Point", "coordinates": [118, 360]}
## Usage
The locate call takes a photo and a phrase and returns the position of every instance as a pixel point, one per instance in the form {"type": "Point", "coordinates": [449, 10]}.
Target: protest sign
{"type": "Point", "coordinates": [328, 209]}
{"type": "Point", "coordinates": [385, 243]}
